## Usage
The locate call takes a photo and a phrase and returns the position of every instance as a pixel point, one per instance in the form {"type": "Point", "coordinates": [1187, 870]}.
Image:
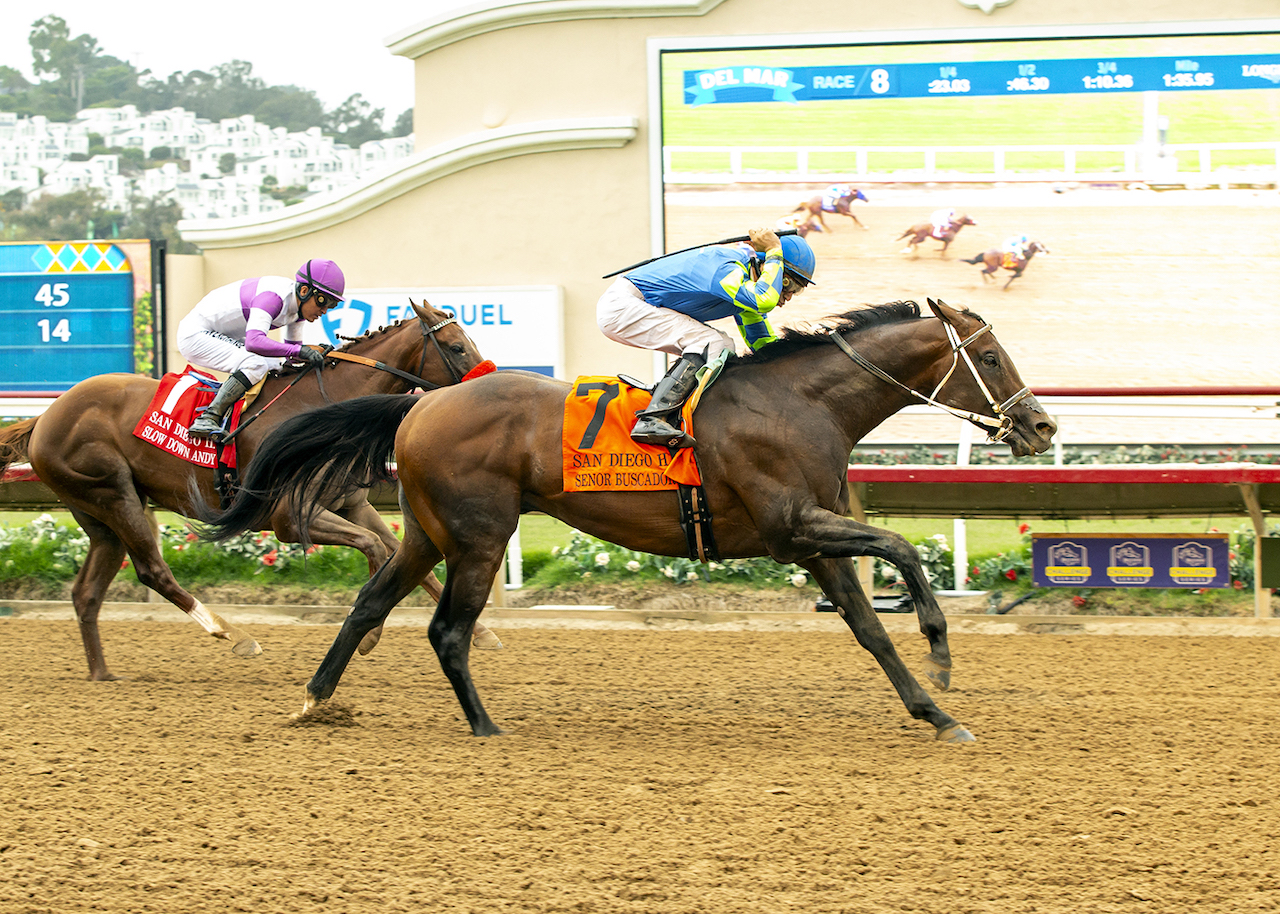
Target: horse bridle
{"type": "Point", "coordinates": [997, 429]}
{"type": "Point", "coordinates": [428, 332]}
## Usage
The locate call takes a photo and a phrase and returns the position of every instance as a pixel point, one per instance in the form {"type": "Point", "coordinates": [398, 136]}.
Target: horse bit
{"type": "Point", "coordinates": [996, 430]}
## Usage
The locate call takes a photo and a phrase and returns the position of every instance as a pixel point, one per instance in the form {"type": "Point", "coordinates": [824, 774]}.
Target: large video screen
{"type": "Point", "coordinates": [1145, 165]}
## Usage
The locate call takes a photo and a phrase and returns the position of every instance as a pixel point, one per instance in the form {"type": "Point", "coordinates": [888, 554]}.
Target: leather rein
{"type": "Point", "coordinates": [428, 333]}
{"type": "Point", "coordinates": [997, 428]}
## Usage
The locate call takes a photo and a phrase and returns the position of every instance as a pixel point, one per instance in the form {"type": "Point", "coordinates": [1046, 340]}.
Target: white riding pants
{"type": "Point", "coordinates": [625, 317]}
{"type": "Point", "coordinates": [210, 349]}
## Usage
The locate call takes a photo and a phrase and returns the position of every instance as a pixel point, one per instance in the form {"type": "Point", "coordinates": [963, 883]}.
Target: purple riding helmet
{"type": "Point", "coordinates": [321, 276]}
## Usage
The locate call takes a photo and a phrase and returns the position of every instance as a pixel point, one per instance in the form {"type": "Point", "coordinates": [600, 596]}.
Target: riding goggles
{"type": "Point", "coordinates": [793, 284]}
{"type": "Point", "coordinates": [324, 300]}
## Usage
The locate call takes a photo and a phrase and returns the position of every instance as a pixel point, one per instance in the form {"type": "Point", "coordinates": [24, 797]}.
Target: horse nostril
{"type": "Point", "coordinates": [1047, 429]}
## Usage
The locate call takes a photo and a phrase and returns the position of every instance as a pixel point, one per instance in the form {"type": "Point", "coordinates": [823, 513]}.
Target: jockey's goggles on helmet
{"type": "Point", "coordinates": [324, 300]}
{"type": "Point", "coordinates": [792, 283]}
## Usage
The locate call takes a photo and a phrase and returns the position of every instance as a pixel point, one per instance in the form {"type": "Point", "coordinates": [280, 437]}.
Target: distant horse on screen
{"type": "Point", "coordinates": [995, 259]}
{"type": "Point", "coordinates": [837, 199]}
{"type": "Point", "coordinates": [923, 231]}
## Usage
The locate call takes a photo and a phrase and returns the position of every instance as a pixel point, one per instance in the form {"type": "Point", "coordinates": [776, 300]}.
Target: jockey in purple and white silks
{"type": "Point", "coordinates": [664, 304]}
{"type": "Point", "coordinates": [227, 331]}
{"type": "Point", "coordinates": [832, 196]}
{"type": "Point", "coordinates": [941, 219]}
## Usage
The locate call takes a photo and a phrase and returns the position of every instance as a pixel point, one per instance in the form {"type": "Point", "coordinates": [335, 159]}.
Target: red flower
{"type": "Point", "coordinates": [975, 571]}
{"type": "Point", "coordinates": [1238, 585]}
{"type": "Point", "coordinates": [1023, 528]}
{"type": "Point", "coordinates": [1078, 600]}
{"type": "Point", "coordinates": [125, 563]}
{"type": "Point", "coordinates": [191, 537]}
{"type": "Point", "coordinates": [1011, 575]}
{"type": "Point", "coordinates": [270, 557]}
{"type": "Point", "coordinates": [395, 528]}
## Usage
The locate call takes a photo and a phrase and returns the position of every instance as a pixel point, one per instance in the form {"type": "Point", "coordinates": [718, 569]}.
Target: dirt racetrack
{"type": "Point", "coordinates": [645, 772]}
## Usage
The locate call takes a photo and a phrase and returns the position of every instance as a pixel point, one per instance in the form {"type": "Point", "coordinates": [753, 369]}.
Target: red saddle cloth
{"type": "Point", "coordinates": [599, 455]}
{"type": "Point", "coordinates": [173, 409]}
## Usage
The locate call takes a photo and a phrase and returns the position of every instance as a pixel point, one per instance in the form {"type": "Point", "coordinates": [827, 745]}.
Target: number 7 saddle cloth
{"type": "Point", "coordinates": [596, 444]}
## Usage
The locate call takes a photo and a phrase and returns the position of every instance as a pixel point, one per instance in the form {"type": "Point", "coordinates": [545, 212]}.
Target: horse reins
{"type": "Point", "coordinates": [997, 430]}
{"type": "Point", "coordinates": [415, 379]}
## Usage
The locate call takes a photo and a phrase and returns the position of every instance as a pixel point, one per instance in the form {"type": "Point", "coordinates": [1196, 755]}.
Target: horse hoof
{"type": "Point", "coordinates": [246, 647]}
{"type": "Point", "coordinates": [309, 704]}
{"type": "Point", "coordinates": [486, 640]}
{"type": "Point", "coordinates": [956, 733]}
{"type": "Point", "coordinates": [938, 674]}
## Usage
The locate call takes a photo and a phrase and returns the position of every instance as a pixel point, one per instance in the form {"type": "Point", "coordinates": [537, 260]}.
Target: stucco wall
{"type": "Point", "coordinates": [567, 217]}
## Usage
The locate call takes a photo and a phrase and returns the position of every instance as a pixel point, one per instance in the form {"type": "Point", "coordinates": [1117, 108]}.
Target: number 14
{"type": "Point", "coordinates": [62, 330]}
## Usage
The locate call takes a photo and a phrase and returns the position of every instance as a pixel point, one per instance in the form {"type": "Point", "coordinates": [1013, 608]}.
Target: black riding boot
{"type": "Point", "coordinates": [209, 423]}
{"type": "Point", "coordinates": [655, 424]}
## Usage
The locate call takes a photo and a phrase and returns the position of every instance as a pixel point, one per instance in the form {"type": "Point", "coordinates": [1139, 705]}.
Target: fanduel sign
{"type": "Point", "coordinates": [515, 326]}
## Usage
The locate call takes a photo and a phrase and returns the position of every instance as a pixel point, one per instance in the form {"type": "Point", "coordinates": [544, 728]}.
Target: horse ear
{"type": "Point", "coordinates": [419, 310]}
{"type": "Point", "coordinates": [944, 312]}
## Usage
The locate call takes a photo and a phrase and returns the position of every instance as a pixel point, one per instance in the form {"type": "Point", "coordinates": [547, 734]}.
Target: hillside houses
{"type": "Point", "coordinates": [40, 157]}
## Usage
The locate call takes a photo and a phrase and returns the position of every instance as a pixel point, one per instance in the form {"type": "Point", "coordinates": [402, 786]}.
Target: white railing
{"type": "Point", "coordinates": [888, 164]}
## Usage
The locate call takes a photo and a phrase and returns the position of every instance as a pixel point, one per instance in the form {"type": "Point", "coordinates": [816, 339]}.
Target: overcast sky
{"type": "Point", "coordinates": [333, 48]}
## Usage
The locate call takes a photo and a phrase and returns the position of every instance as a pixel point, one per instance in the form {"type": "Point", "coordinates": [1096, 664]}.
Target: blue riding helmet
{"type": "Point", "coordinates": [797, 258]}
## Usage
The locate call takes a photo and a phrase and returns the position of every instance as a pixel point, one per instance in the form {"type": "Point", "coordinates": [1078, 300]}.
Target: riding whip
{"type": "Point", "coordinates": [705, 244]}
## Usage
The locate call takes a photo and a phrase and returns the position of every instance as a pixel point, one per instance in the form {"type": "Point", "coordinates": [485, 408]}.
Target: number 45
{"type": "Point", "coordinates": [53, 295]}
{"type": "Point", "coordinates": [62, 330]}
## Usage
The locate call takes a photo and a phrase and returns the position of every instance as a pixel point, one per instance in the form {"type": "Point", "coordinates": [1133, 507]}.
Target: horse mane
{"type": "Point", "coordinates": [793, 340]}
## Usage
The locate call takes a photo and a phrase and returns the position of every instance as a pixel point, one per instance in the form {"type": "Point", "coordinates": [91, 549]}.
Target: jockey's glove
{"type": "Point", "coordinates": [312, 356]}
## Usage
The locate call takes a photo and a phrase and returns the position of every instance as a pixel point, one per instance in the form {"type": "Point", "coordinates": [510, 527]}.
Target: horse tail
{"type": "Point", "coordinates": [309, 457]}
{"type": "Point", "coordinates": [910, 231]}
{"type": "Point", "coordinates": [14, 441]}
{"type": "Point", "coordinates": [976, 258]}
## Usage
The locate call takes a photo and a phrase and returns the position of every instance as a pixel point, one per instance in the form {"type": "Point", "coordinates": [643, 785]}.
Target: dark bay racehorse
{"type": "Point", "coordinates": [923, 231]}
{"type": "Point", "coordinates": [994, 259]}
{"type": "Point", "coordinates": [84, 449]}
{"type": "Point", "coordinates": [841, 206]}
{"type": "Point", "coordinates": [774, 436]}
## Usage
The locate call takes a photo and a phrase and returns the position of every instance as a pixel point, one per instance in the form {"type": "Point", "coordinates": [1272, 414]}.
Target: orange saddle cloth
{"type": "Point", "coordinates": [598, 453]}
{"type": "Point", "coordinates": [1010, 261]}
{"type": "Point", "coordinates": [173, 409]}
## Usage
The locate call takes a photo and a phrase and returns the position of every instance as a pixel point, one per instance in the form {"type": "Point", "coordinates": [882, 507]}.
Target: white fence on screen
{"type": "Point", "coordinates": [1187, 164]}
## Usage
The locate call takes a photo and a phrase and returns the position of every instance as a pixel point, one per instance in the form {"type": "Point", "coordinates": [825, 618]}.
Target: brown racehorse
{"type": "Point", "coordinates": [83, 448]}
{"type": "Point", "coordinates": [774, 436]}
{"type": "Point", "coordinates": [842, 207]}
{"type": "Point", "coordinates": [923, 231]}
{"type": "Point", "coordinates": [994, 259]}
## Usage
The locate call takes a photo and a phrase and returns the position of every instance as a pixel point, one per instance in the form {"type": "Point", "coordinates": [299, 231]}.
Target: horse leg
{"type": "Point", "coordinates": [839, 581]}
{"type": "Point", "coordinates": [101, 565]}
{"type": "Point", "coordinates": [391, 583]}
{"type": "Point", "coordinates": [470, 575]}
{"type": "Point", "coordinates": [132, 526]}
{"type": "Point", "coordinates": [366, 516]}
{"type": "Point", "coordinates": [1016, 274]}
{"type": "Point", "coordinates": [825, 534]}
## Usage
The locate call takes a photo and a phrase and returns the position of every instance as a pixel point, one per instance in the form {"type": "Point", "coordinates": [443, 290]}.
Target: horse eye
{"type": "Point", "coordinates": [989, 360]}
{"type": "Point", "coordinates": [458, 348]}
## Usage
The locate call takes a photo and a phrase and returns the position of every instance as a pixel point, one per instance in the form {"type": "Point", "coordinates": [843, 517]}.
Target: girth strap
{"type": "Point", "coordinates": [695, 519]}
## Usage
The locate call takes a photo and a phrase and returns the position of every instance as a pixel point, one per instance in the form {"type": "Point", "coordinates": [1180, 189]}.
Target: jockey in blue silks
{"type": "Point", "coordinates": [664, 304]}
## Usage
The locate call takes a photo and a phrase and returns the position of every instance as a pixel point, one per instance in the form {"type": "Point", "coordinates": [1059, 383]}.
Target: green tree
{"type": "Point", "coordinates": [227, 163]}
{"type": "Point", "coordinates": [404, 123]}
{"type": "Point", "coordinates": [64, 217]}
{"type": "Point", "coordinates": [355, 121]}
{"type": "Point", "coordinates": [157, 218]}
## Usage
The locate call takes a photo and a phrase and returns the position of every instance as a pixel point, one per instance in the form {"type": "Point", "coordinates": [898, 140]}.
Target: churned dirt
{"type": "Point", "coordinates": [643, 771]}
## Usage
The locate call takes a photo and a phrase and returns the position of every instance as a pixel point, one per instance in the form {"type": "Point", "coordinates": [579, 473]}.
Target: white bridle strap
{"type": "Point", "coordinates": [998, 428]}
